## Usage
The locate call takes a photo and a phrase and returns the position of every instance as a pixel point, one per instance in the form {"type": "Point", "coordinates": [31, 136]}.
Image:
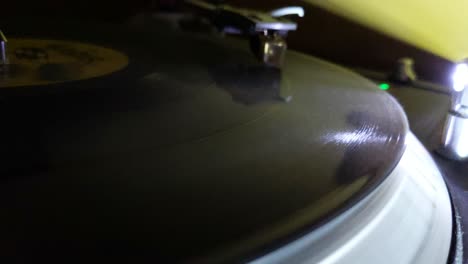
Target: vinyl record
{"type": "Point", "coordinates": [180, 146]}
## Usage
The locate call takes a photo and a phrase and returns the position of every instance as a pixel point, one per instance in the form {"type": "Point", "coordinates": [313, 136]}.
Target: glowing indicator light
{"type": "Point", "coordinates": [384, 86]}
{"type": "Point", "coordinates": [460, 77]}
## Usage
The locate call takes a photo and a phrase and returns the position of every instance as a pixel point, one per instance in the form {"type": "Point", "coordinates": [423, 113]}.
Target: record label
{"type": "Point", "coordinates": [35, 62]}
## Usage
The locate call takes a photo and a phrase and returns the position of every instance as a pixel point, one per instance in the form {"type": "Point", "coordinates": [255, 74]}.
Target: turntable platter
{"type": "Point", "coordinates": [188, 152]}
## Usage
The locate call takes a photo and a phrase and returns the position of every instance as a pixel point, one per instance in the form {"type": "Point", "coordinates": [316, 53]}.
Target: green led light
{"type": "Point", "coordinates": [384, 86]}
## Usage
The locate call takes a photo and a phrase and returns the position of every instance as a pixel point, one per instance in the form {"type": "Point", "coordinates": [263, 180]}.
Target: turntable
{"type": "Point", "coordinates": [162, 140]}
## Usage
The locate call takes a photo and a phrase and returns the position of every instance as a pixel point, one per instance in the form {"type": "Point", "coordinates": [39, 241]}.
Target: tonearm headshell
{"type": "Point", "coordinates": [266, 31]}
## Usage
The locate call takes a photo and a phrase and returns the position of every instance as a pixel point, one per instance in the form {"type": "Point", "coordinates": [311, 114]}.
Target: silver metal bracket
{"type": "Point", "coordinates": [3, 54]}
{"type": "Point", "coordinates": [3, 47]}
{"type": "Point", "coordinates": [455, 136]}
{"type": "Point", "coordinates": [454, 141]}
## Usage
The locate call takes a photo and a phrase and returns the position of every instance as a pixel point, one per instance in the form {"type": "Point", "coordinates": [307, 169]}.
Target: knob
{"type": "Point", "coordinates": [404, 72]}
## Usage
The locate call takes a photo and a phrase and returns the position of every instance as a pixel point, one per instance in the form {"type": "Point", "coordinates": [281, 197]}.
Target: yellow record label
{"type": "Point", "coordinates": [33, 62]}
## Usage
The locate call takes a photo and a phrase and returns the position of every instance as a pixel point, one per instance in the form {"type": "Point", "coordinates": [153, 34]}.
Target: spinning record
{"type": "Point", "coordinates": [190, 152]}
